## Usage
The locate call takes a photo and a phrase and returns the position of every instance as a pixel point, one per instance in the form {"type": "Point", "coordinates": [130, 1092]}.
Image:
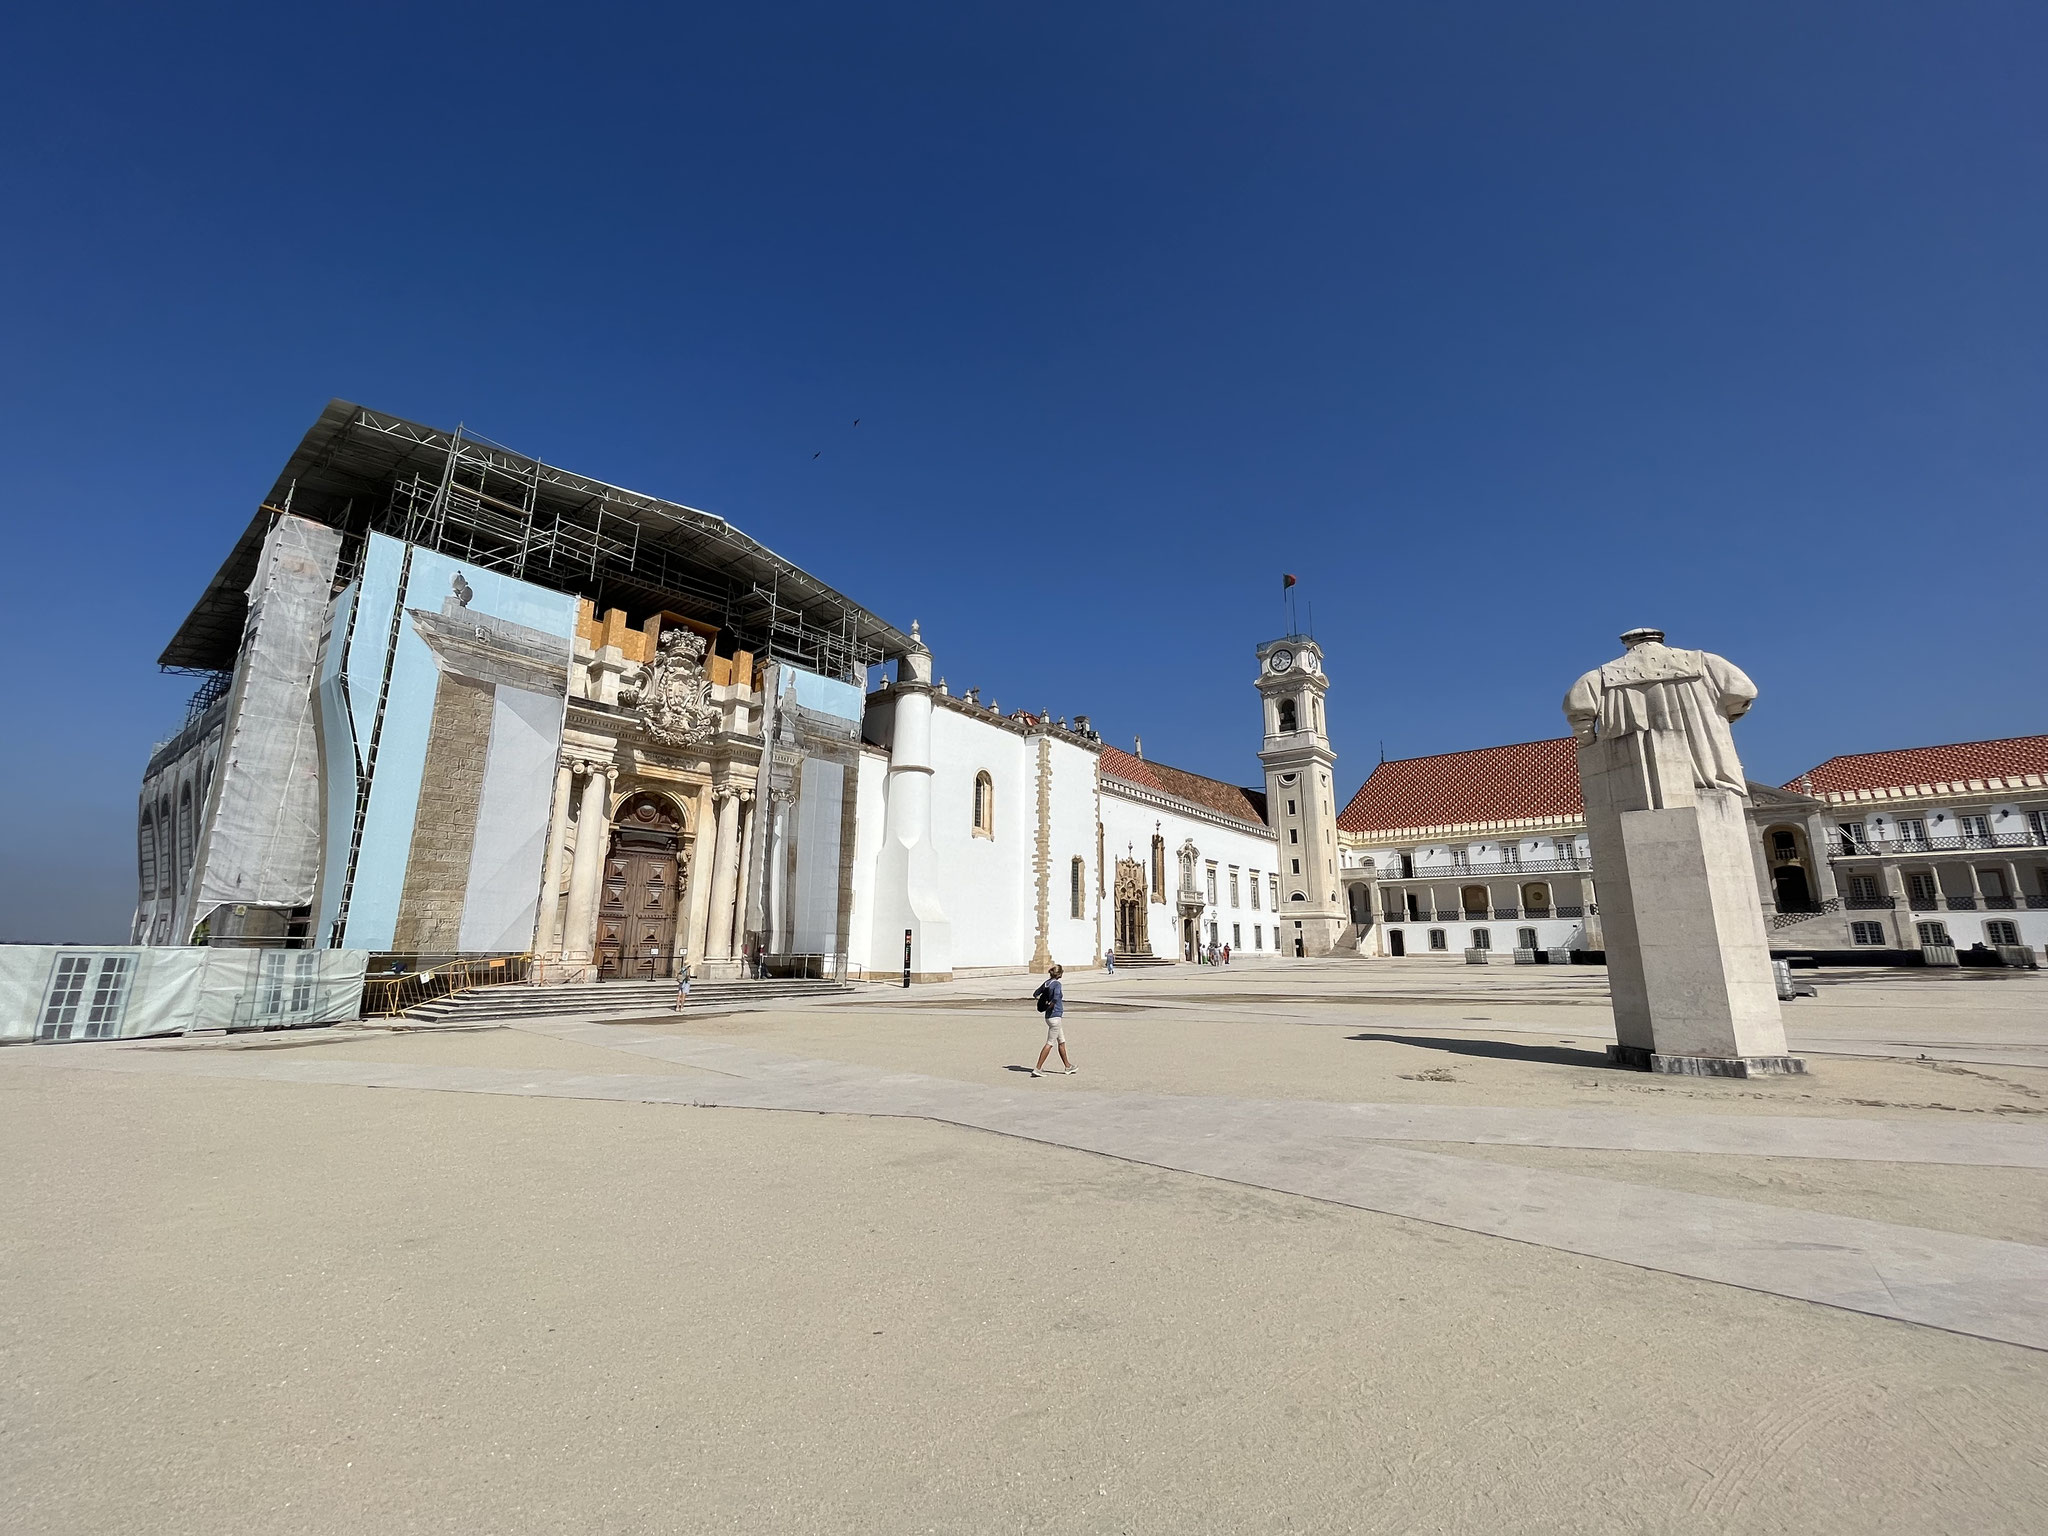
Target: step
{"type": "Point", "coordinates": [517, 1001]}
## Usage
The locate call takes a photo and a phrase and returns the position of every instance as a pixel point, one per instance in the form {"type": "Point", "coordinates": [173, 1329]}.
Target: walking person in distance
{"type": "Point", "coordinates": [1052, 1002]}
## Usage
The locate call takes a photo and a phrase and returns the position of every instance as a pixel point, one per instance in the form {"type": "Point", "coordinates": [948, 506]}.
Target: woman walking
{"type": "Point", "coordinates": [1052, 1002]}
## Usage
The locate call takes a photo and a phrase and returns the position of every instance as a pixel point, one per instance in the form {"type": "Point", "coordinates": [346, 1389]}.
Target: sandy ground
{"type": "Point", "coordinates": [258, 1307]}
{"type": "Point", "coordinates": [1421, 1033]}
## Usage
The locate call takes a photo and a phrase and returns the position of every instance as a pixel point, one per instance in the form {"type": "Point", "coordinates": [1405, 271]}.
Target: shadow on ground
{"type": "Point", "coordinates": [1503, 1050]}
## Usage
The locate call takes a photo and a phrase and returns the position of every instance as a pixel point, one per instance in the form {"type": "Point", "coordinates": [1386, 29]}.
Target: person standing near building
{"type": "Point", "coordinates": [1109, 961]}
{"type": "Point", "coordinates": [1226, 954]}
{"type": "Point", "coordinates": [1052, 1002]}
{"type": "Point", "coordinates": [682, 986]}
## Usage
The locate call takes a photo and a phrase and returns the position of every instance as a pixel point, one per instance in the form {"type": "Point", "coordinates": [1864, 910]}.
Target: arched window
{"type": "Point", "coordinates": [1287, 722]}
{"type": "Point", "coordinates": [1535, 900]}
{"type": "Point", "coordinates": [165, 863]}
{"type": "Point", "coordinates": [1158, 868]}
{"type": "Point", "coordinates": [984, 805]}
{"type": "Point", "coordinates": [1079, 892]}
{"type": "Point", "coordinates": [1474, 899]}
{"type": "Point", "coordinates": [148, 855]}
{"type": "Point", "coordinates": [184, 836]}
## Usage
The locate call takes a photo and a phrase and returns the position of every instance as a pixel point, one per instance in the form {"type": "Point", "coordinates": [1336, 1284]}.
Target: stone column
{"type": "Point", "coordinates": [725, 857]}
{"type": "Point", "coordinates": [1903, 933]}
{"type": "Point", "coordinates": [775, 879]}
{"type": "Point", "coordinates": [1766, 890]}
{"type": "Point", "coordinates": [1819, 844]}
{"type": "Point", "coordinates": [2013, 889]}
{"type": "Point", "coordinates": [1588, 899]}
{"type": "Point", "coordinates": [743, 888]}
{"type": "Point", "coordinates": [547, 934]}
{"type": "Point", "coordinates": [703, 821]}
{"type": "Point", "coordinates": [1976, 885]}
{"type": "Point", "coordinates": [586, 875]}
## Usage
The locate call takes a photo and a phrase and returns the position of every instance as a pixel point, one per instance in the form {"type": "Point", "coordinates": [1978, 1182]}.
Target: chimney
{"type": "Point", "coordinates": [1138, 746]}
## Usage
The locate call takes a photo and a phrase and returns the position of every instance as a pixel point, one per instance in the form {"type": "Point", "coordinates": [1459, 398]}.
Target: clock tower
{"type": "Point", "coordinates": [1301, 795]}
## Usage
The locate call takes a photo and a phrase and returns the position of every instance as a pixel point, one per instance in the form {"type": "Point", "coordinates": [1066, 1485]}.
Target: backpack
{"type": "Point", "coordinates": [1044, 998]}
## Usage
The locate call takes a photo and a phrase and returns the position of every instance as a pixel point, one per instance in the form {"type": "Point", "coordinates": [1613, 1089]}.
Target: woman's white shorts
{"type": "Point", "coordinates": [1054, 1035]}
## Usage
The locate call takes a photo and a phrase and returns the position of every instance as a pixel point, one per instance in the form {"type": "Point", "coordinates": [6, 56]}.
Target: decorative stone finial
{"type": "Point", "coordinates": [916, 635]}
{"type": "Point", "coordinates": [1641, 636]}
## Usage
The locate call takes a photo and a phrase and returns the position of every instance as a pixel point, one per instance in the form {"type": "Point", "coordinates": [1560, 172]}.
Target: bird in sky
{"type": "Point", "coordinates": [816, 454]}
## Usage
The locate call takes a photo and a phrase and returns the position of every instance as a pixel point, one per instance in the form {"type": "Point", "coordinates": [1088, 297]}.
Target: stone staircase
{"type": "Point", "coordinates": [1143, 962]}
{"type": "Point", "coordinates": [485, 1005]}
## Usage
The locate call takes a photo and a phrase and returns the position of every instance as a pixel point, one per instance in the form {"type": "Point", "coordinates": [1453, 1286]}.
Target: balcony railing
{"type": "Point", "coordinates": [1488, 915]}
{"type": "Point", "coordinates": [1496, 870]}
{"type": "Point", "coordinates": [1975, 903]}
{"type": "Point", "coordinates": [1871, 848]}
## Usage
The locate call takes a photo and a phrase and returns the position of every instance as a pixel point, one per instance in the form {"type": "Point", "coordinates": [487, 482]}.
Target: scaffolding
{"type": "Point", "coordinates": [464, 496]}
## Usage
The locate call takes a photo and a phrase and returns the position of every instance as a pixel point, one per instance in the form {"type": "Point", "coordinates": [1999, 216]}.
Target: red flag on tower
{"type": "Point", "coordinates": [1286, 582]}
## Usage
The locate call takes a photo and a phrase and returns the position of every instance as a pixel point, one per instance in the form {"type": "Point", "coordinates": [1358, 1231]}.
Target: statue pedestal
{"type": "Point", "coordinates": [1688, 961]}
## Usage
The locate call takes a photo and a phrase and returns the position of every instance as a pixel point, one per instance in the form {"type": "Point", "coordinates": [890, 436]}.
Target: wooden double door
{"type": "Point", "coordinates": [644, 871]}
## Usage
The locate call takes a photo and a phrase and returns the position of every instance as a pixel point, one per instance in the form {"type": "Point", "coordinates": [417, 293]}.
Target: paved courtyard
{"type": "Point", "coordinates": [1336, 1246]}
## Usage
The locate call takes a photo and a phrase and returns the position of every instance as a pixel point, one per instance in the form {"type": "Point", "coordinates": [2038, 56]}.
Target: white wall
{"type": "Point", "coordinates": [987, 882]}
{"type": "Point", "coordinates": [1129, 824]}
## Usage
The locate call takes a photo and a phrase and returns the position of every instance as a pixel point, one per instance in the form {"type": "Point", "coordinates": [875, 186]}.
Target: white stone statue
{"type": "Point", "coordinates": [1655, 688]}
{"type": "Point", "coordinates": [1688, 960]}
{"type": "Point", "coordinates": [673, 696]}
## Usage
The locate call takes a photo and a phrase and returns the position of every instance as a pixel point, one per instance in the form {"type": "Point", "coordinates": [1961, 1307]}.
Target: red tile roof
{"type": "Point", "coordinates": [2010, 758]}
{"type": "Point", "coordinates": [1527, 780]}
{"type": "Point", "coordinates": [1246, 805]}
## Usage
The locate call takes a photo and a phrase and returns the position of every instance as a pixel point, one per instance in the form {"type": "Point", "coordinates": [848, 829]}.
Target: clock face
{"type": "Point", "coordinates": [1309, 664]}
{"type": "Point", "coordinates": [1280, 660]}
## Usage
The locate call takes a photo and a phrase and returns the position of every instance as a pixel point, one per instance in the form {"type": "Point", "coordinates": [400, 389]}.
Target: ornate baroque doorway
{"type": "Point", "coordinates": [1131, 935]}
{"type": "Point", "coordinates": [643, 881]}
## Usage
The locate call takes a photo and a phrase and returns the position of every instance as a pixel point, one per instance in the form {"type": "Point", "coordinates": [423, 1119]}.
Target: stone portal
{"type": "Point", "coordinates": [643, 875]}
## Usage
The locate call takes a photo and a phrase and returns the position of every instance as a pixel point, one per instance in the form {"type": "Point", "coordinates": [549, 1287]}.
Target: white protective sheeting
{"type": "Point", "coordinates": [53, 992]}
{"type": "Point", "coordinates": [262, 842]}
{"type": "Point", "coordinates": [500, 903]}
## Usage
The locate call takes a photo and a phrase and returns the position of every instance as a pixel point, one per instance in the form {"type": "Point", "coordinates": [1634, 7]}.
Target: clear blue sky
{"type": "Point", "coordinates": [1507, 327]}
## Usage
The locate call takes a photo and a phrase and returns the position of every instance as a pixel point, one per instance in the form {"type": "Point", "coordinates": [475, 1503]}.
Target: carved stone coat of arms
{"type": "Point", "coordinates": [673, 696]}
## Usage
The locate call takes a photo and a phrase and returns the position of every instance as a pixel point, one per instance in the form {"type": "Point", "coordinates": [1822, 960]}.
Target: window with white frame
{"type": "Point", "coordinates": [1973, 826]}
{"type": "Point", "coordinates": [1258, 934]}
{"type": "Point", "coordinates": [1998, 931]}
{"type": "Point", "coordinates": [1924, 891]}
{"type": "Point", "coordinates": [1912, 831]}
{"type": "Point", "coordinates": [1236, 936]}
{"type": "Point", "coordinates": [1863, 888]}
{"type": "Point", "coordinates": [2037, 823]}
{"type": "Point", "coordinates": [1866, 933]}
{"type": "Point", "coordinates": [1210, 873]}
{"type": "Point", "coordinates": [1273, 888]}
{"type": "Point", "coordinates": [1255, 890]}
{"type": "Point", "coordinates": [1935, 934]}
{"type": "Point", "coordinates": [1525, 938]}
{"type": "Point", "coordinates": [1233, 885]}
{"type": "Point", "coordinates": [1482, 938]}
{"type": "Point", "coordinates": [1437, 940]}
{"type": "Point", "coordinates": [1077, 893]}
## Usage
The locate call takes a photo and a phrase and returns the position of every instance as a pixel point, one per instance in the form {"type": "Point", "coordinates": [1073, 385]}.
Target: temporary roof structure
{"type": "Point", "coordinates": [359, 471]}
